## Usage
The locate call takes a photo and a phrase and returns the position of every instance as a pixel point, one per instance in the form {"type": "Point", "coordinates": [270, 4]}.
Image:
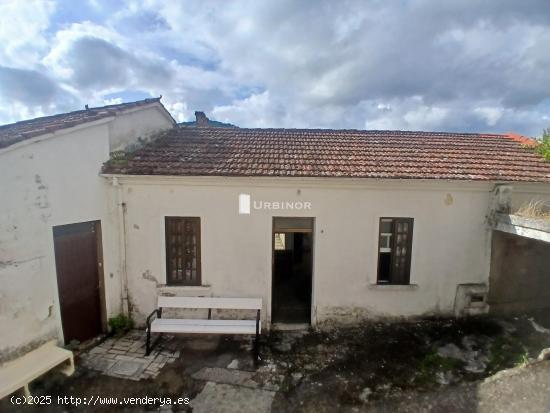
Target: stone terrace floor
{"type": "Point", "coordinates": [430, 365]}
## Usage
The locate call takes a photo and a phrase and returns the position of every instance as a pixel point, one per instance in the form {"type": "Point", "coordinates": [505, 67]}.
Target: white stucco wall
{"type": "Point", "coordinates": [52, 182]}
{"type": "Point", "coordinates": [450, 241]}
{"type": "Point", "coordinates": [44, 182]}
{"type": "Point", "coordinates": [136, 124]}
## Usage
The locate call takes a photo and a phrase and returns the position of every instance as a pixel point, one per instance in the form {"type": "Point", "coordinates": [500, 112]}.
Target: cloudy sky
{"type": "Point", "coordinates": [464, 65]}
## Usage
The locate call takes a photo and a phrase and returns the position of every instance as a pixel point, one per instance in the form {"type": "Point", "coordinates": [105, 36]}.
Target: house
{"type": "Point", "coordinates": [49, 177]}
{"type": "Point", "coordinates": [327, 226]}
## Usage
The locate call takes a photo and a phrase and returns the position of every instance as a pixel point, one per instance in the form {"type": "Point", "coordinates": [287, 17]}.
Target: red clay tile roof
{"type": "Point", "coordinates": [26, 129]}
{"type": "Point", "coordinates": [334, 153]}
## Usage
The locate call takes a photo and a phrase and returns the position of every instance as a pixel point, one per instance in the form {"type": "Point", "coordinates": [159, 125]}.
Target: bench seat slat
{"type": "Point", "coordinates": [180, 325]}
{"type": "Point", "coordinates": [211, 302]}
{"type": "Point", "coordinates": [18, 373]}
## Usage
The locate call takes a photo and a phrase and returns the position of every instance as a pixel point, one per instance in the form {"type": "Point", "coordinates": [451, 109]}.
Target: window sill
{"type": "Point", "coordinates": [393, 287]}
{"type": "Point", "coordinates": [184, 290]}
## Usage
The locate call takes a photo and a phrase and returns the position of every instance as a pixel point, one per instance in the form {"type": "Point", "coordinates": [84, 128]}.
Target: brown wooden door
{"type": "Point", "coordinates": [77, 258]}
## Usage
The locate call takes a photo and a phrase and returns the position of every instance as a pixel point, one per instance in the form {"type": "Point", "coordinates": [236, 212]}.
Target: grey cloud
{"type": "Point", "coordinates": [451, 65]}
{"type": "Point", "coordinates": [33, 89]}
{"type": "Point", "coordinates": [454, 55]}
{"type": "Point", "coordinates": [27, 86]}
{"type": "Point", "coordinates": [98, 64]}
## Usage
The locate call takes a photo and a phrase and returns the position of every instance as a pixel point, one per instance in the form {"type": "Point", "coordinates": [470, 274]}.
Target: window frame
{"type": "Point", "coordinates": [393, 237]}
{"type": "Point", "coordinates": [167, 246]}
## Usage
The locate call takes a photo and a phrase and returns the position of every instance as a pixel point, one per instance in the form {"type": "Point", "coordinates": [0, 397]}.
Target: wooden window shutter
{"type": "Point", "coordinates": [401, 250]}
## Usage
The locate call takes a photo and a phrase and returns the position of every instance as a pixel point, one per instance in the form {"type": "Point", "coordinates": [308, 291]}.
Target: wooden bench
{"type": "Point", "coordinates": [17, 374]}
{"type": "Point", "coordinates": [205, 326]}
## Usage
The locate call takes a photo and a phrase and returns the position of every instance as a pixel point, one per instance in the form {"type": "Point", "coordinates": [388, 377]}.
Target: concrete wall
{"type": "Point", "coordinates": [48, 181]}
{"type": "Point", "coordinates": [520, 274]}
{"type": "Point", "coordinates": [450, 243]}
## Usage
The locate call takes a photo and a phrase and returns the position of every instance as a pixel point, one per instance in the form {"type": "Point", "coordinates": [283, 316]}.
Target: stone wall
{"type": "Point", "coordinates": [520, 274]}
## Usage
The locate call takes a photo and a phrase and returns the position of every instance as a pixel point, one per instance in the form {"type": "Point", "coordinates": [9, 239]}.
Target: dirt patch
{"type": "Point", "coordinates": [349, 367]}
{"type": "Point", "coordinates": [341, 370]}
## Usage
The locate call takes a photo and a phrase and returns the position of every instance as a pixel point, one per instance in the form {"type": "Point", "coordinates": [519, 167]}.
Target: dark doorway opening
{"type": "Point", "coordinates": [292, 270]}
{"type": "Point", "coordinates": [78, 260]}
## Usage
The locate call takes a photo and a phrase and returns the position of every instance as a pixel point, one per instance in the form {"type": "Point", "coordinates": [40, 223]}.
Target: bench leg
{"type": "Point", "coordinates": [148, 346]}
{"type": "Point", "coordinates": [68, 369]}
{"type": "Point", "coordinates": [257, 340]}
{"type": "Point", "coordinates": [26, 391]}
{"type": "Point", "coordinates": [148, 342]}
{"type": "Point", "coordinates": [256, 350]}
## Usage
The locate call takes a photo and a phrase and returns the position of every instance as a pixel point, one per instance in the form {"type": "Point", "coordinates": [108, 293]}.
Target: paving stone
{"type": "Point", "coordinates": [101, 364]}
{"type": "Point", "coordinates": [124, 357]}
{"type": "Point", "coordinates": [98, 350]}
{"type": "Point", "coordinates": [130, 349]}
{"type": "Point", "coordinates": [127, 368]}
{"type": "Point", "coordinates": [228, 376]}
{"type": "Point", "coordinates": [225, 398]}
{"type": "Point", "coordinates": [154, 369]}
{"type": "Point", "coordinates": [135, 354]}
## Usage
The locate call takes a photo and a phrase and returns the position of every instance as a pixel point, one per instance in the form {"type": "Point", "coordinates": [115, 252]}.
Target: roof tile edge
{"type": "Point", "coordinates": [524, 140]}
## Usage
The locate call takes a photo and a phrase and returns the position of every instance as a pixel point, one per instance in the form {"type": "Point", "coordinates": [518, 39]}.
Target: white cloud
{"type": "Point", "coordinates": [418, 64]}
{"type": "Point", "coordinates": [254, 111]}
{"type": "Point", "coordinates": [22, 26]}
{"type": "Point", "coordinates": [178, 110]}
{"type": "Point", "coordinates": [490, 114]}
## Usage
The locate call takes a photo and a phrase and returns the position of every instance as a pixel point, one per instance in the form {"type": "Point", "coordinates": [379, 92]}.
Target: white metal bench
{"type": "Point", "coordinates": [17, 374]}
{"type": "Point", "coordinates": [205, 326]}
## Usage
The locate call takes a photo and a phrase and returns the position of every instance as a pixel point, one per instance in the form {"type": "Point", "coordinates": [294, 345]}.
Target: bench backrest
{"type": "Point", "coordinates": [211, 302]}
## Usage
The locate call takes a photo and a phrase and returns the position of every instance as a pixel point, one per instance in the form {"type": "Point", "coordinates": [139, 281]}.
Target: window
{"type": "Point", "coordinates": [394, 250]}
{"type": "Point", "coordinates": [183, 251]}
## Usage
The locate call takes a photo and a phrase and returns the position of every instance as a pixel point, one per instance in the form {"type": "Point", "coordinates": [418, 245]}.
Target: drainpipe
{"type": "Point", "coordinates": [121, 207]}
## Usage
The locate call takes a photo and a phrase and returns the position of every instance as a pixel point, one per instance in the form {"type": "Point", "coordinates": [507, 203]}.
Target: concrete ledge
{"type": "Point", "coordinates": [393, 287]}
{"type": "Point", "coordinates": [537, 229]}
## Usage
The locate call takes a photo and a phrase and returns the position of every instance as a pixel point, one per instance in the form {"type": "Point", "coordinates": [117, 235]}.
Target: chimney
{"type": "Point", "coordinates": [202, 120]}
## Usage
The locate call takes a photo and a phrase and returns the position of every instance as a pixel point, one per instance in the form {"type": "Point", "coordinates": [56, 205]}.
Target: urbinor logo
{"type": "Point", "coordinates": [246, 204]}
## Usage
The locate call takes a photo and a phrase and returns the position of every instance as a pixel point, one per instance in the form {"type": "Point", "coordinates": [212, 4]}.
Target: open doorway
{"type": "Point", "coordinates": [292, 270]}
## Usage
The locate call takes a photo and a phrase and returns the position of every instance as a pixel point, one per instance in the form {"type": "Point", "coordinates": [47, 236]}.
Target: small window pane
{"type": "Point", "coordinates": [386, 225]}
{"type": "Point", "coordinates": [182, 251]}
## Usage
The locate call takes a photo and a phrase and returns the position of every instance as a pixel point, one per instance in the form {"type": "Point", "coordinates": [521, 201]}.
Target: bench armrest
{"type": "Point", "coordinates": [149, 317]}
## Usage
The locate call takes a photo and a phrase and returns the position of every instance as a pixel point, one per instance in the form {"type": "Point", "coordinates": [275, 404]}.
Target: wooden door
{"type": "Point", "coordinates": [78, 262]}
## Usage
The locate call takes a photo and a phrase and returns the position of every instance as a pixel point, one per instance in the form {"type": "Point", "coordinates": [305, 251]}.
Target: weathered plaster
{"type": "Point", "coordinates": [44, 182]}
{"type": "Point", "coordinates": [449, 247]}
